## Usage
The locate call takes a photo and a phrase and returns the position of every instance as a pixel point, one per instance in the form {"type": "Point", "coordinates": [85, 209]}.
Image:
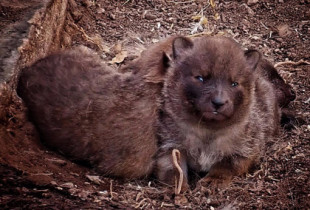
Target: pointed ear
{"type": "Point", "coordinates": [158, 72]}
{"type": "Point", "coordinates": [180, 45]}
{"type": "Point", "coordinates": [252, 57]}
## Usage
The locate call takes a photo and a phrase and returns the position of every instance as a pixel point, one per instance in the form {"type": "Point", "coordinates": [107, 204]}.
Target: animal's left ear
{"type": "Point", "coordinates": [252, 57]}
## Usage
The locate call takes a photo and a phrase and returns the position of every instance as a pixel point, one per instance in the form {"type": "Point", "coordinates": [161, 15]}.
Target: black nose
{"type": "Point", "coordinates": [218, 102]}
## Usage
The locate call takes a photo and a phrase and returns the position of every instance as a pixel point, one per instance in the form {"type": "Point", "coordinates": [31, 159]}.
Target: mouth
{"type": "Point", "coordinates": [214, 116]}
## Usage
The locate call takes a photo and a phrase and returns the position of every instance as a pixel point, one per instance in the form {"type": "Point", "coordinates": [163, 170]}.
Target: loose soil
{"type": "Point", "coordinates": [34, 177]}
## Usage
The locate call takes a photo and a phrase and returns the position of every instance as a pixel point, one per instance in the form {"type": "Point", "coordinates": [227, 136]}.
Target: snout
{"type": "Point", "coordinates": [218, 102]}
{"type": "Point", "coordinates": [217, 107]}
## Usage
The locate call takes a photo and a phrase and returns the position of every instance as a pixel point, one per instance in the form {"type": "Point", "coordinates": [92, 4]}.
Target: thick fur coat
{"type": "Point", "coordinates": [89, 112]}
{"type": "Point", "coordinates": [206, 99]}
{"type": "Point", "coordinates": [217, 110]}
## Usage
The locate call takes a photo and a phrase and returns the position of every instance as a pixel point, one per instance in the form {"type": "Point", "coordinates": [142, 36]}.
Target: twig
{"type": "Point", "coordinates": [176, 156]}
{"type": "Point", "coordinates": [208, 33]}
{"type": "Point", "coordinates": [125, 2]}
{"type": "Point", "coordinates": [184, 2]}
{"type": "Point", "coordinates": [139, 204]}
{"type": "Point", "coordinates": [163, 204]}
{"type": "Point", "coordinates": [300, 62]}
{"type": "Point", "coordinates": [111, 189]}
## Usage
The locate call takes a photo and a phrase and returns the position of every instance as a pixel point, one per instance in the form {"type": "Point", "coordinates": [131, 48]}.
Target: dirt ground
{"type": "Point", "coordinates": [33, 177]}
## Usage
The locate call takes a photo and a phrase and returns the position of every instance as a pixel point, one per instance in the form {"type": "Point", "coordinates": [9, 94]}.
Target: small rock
{"type": "Point", "coordinates": [58, 161]}
{"type": "Point", "coordinates": [72, 191]}
{"type": "Point", "coordinates": [74, 174]}
{"type": "Point", "coordinates": [104, 193]}
{"type": "Point", "coordinates": [149, 16]}
{"type": "Point", "coordinates": [54, 183]}
{"type": "Point", "coordinates": [281, 1]}
{"type": "Point", "coordinates": [100, 11]}
{"type": "Point", "coordinates": [112, 16]}
{"type": "Point", "coordinates": [84, 194]}
{"type": "Point", "coordinates": [248, 9]}
{"type": "Point", "coordinates": [298, 171]}
{"type": "Point", "coordinates": [86, 3]}
{"type": "Point", "coordinates": [278, 39]}
{"type": "Point", "coordinates": [252, 2]}
{"type": "Point", "coordinates": [94, 179]}
{"type": "Point", "coordinates": [283, 30]}
{"type": "Point", "coordinates": [224, 19]}
{"type": "Point", "coordinates": [67, 185]}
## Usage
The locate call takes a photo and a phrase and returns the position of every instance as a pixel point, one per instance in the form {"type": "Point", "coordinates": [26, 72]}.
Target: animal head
{"type": "Point", "coordinates": [211, 80]}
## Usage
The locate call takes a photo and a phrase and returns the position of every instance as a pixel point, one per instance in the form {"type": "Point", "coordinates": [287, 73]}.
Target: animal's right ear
{"type": "Point", "coordinates": [157, 73]}
{"type": "Point", "coordinates": [252, 57]}
{"type": "Point", "coordinates": [180, 45]}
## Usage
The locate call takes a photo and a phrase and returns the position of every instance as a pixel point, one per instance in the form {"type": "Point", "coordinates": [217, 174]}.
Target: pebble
{"type": "Point", "coordinates": [67, 185]}
{"type": "Point", "coordinates": [112, 16]}
{"type": "Point", "coordinates": [100, 11]}
{"type": "Point", "coordinates": [252, 2]}
{"type": "Point", "coordinates": [249, 10]}
{"type": "Point", "coordinates": [54, 183]}
{"type": "Point", "coordinates": [58, 161]}
{"type": "Point", "coordinates": [149, 16]}
{"type": "Point", "coordinates": [283, 30]}
{"type": "Point", "coordinates": [94, 179]}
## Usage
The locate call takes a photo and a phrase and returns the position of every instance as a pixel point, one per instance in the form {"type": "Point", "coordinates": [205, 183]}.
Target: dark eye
{"type": "Point", "coordinates": [200, 78]}
{"type": "Point", "coordinates": [234, 84]}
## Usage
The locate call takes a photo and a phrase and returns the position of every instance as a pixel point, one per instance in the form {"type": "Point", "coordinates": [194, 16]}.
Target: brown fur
{"type": "Point", "coordinates": [153, 63]}
{"type": "Point", "coordinates": [284, 92]}
{"type": "Point", "coordinates": [219, 126]}
{"type": "Point", "coordinates": [86, 110]}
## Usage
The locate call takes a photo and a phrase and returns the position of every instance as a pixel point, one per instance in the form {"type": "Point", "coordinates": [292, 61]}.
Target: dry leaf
{"type": "Point", "coordinates": [212, 3]}
{"type": "Point", "coordinates": [203, 21]}
{"type": "Point", "coordinates": [106, 49]}
{"type": "Point", "coordinates": [117, 48]}
{"type": "Point", "coordinates": [196, 17]}
{"type": "Point", "coordinates": [119, 58]}
{"type": "Point", "coordinates": [97, 39]}
{"type": "Point", "coordinates": [216, 16]}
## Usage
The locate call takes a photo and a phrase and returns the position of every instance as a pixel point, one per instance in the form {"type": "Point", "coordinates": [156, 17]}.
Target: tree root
{"type": "Point", "coordinates": [300, 62]}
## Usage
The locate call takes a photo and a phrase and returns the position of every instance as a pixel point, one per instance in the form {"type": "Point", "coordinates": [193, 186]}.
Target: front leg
{"type": "Point", "coordinates": [221, 174]}
{"type": "Point", "coordinates": [167, 172]}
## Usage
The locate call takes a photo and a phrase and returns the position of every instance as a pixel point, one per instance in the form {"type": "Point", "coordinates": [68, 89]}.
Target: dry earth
{"type": "Point", "coordinates": [33, 177]}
